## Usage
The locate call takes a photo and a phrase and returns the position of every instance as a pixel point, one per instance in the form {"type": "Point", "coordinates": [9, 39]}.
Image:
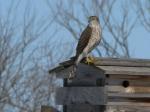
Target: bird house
{"type": "Point", "coordinates": [111, 82]}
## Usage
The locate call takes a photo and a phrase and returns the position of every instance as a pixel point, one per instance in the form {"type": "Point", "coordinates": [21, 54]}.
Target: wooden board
{"type": "Point", "coordinates": [132, 82]}
{"type": "Point", "coordinates": [87, 82]}
{"type": "Point", "coordinates": [141, 71]}
{"type": "Point", "coordinates": [130, 95]}
{"type": "Point", "coordinates": [127, 77]}
{"type": "Point", "coordinates": [122, 62]}
{"type": "Point", "coordinates": [126, 108]}
{"type": "Point", "coordinates": [84, 108]}
{"type": "Point", "coordinates": [83, 71]}
{"type": "Point", "coordinates": [108, 62]}
{"type": "Point", "coordinates": [81, 95]}
{"type": "Point", "coordinates": [133, 104]}
{"type": "Point", "coordinates": [130, 89]}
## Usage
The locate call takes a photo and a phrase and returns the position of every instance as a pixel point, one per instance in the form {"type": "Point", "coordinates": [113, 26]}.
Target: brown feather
{"type": "Point", "coordinates": [63, 65]}
{"type": "Point", "coordinates": [83, 41]}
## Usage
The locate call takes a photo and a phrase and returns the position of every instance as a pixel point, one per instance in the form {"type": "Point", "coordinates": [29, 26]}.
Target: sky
{"type": "Point", "coordinates": [138, 42]}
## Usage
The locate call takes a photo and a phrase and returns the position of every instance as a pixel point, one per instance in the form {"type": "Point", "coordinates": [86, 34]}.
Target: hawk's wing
{"type": "Point", "coordinates": [83, 41]}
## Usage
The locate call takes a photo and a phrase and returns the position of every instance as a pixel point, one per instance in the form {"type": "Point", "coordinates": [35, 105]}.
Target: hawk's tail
{"type": "Point", "coordinates": [64, 65]}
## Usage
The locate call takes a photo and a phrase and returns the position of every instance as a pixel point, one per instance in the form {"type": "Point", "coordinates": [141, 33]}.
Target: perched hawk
{"type": "Point", "coordinates": [89, 39]}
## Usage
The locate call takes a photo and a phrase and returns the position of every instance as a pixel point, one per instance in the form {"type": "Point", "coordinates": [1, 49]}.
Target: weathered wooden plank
{"type": "Point", "coordinates": [76, 95]}
{"type": "Point", "coordinates": [137, 82]}
{"type": "Point", "coordinates": [131, 89]}
{"type": "Point", "coordinates": [126, 70]}
{"type": "Point", "coordinates": [87, 82]}
{"type": "Point", "coordinates": [122, 62]}
{"type": "Point", "coordinates": [128, 108]}
{"type": "Point", "coordinates": [133, 104]}
{"type": "Point", "coordinates": [114, 62]}
{"type": "Point", "coordinates": [130, 95]}
{"type": "Point", "coordinates": [83, 71]}
{"type": "Point", "coordinates": [123, 99]}
{"type": "Point", "coordinates": [127, 77]}
{"type": "Point", "coordinates": [92, 72]}
{"type": "Point", "coordinates": [84, 108]}
{"type": "Point", "coordinates": [64, 73]}
{"type": "Point", "coordinates": [81, 82]}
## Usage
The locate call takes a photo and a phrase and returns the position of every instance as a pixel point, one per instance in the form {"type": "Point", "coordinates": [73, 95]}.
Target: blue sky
{"type": "Point", "coordinates": [139, 41]}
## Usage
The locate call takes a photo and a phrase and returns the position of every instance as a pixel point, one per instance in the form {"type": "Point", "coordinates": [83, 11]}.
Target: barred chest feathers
{"type": "Point", "coordinates": [96, 31]}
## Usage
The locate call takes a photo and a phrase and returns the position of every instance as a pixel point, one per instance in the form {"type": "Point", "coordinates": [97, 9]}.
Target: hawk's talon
{"type": "Point", "coordinates": [90, 60]}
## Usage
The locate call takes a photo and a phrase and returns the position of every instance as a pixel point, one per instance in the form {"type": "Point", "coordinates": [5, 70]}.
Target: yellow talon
{"type": "Point", "coordinates": [90, 60]}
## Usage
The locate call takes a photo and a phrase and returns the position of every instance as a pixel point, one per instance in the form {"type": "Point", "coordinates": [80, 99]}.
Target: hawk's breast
{"type": "Point", "coordinates": [95, 37]}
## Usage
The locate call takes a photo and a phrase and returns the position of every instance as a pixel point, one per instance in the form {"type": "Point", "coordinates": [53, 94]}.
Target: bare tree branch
{"type": "Point", "coordinates": [118, 30]}
{"type": "Point", "coordinates": [143, 10]}
{"type": "Point", "coordinates": [24, 81]}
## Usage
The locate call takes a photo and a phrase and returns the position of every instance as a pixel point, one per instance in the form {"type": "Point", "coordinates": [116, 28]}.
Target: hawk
{"type": "Point", "coordinates": [88, 40]}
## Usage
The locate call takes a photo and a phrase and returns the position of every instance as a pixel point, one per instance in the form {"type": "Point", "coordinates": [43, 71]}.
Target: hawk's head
{"type": "Point", "coordinates": [93, 18]}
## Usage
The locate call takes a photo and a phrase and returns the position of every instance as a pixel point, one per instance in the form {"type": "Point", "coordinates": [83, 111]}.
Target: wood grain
{"type": "Point", "coordinates": [81, 95]}
{"type": "Point", "coordinates": [132, 82]}
{"type": "Point", "coordinates": [83, 71]}
{"type": "Point", "coordinates": [130, 89]}
{"type": "Point", "coordinates": [122, 62]}
{"type": "Point", "coordinates": [84, 108]}
{"type": "Point", "coordinates": [141, 71]}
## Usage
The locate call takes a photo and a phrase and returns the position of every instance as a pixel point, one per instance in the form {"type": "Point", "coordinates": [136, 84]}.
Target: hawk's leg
{"type": "Point", "coordinates": [90, 60]}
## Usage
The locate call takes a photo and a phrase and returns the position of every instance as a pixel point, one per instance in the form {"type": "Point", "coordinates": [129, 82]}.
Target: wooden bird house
{"type": "Point", "coordinates": [110, 82]}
